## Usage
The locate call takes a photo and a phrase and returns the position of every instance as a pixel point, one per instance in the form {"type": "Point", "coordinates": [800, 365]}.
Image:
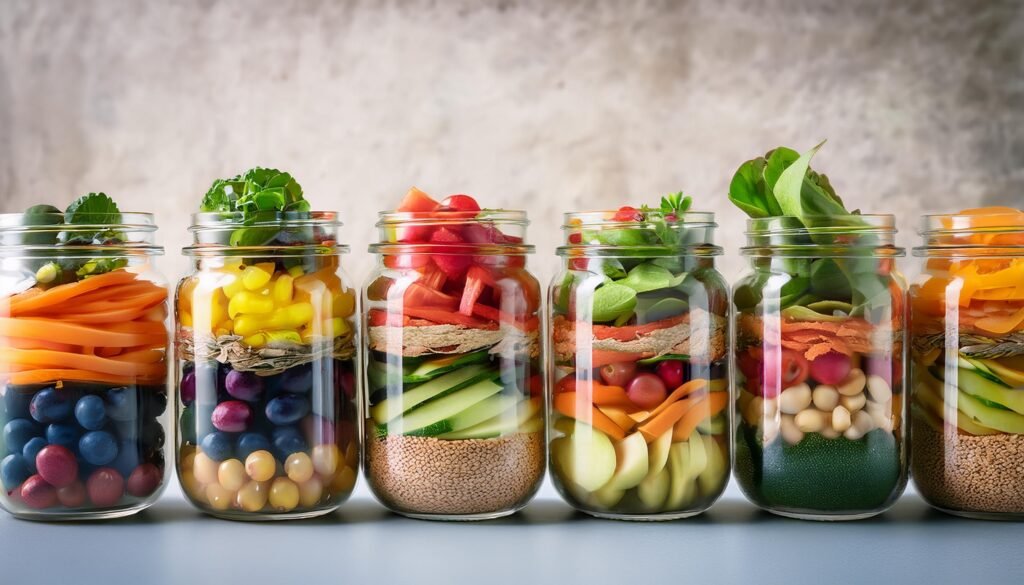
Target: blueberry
{"type": "Point", "coordinates": [17, 403]}
{"type": "Point", "coordinates": [187, 425]}
{"type": "Point", "coordinates": [287, 440]}
{"type": "Point", "coordinates": [49, 406]}
{"type": "Point", "coordinates": [98, 447]}
{"type": "Point", "coordinates": [152, 436]}
{"type": "Point", "coordinates": [127, 458]}
{"type": "Point", "coordinates": [218, 445]}
{"type": "Point", "coordinates": [122, 404]}
{"type": "Point", "coordinates": [287, 409]}
{"type": "Point", "coordinates": [250, 442]}
{"type": "Point", "coordinates": [18, 432]}
{"type": "Point", "coordinates": [298, 380]}
{"type": "Point", "coordinates": [65, 435]}
{"type": "Point", "coordinates": [155, 405]}
{"type": "Point", "coordinates": [91, 413]}
{"type": "Point", "coordinates": [14, 471]}
{"type": "Point", "coordinates": [31, 450]}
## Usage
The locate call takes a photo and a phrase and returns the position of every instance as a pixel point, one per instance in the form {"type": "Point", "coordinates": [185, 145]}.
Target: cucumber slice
{"type": "Point", "coordinates": [447, 413]}
{"type": "Point", "coordinates": [431, 369]}
{"type": "Point", "coordinates": [664, 357]}
{"type": "Point", "coordinates": [393, 408]}
{"type": "Point", "coordinates": [522, 419]}
{"type": "Point", "coordinates": [1006, 421]}
{"type": "Point", "coordinates": [976, 384]}
{"type": "Point", "coordinates": [715, 425]}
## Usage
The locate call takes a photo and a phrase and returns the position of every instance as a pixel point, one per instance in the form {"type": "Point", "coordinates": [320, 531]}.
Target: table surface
{"type": "Point", "coordinates": [547, 542]}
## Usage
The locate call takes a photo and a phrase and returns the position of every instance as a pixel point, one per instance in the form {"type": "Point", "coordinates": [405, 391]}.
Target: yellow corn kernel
{"type": "Point", "coordinates": [343, 304]}
{"type": "Point", "coordinates": [290, 336]}
{"type": "Point", "coordinates": [232, 285]}
{"type": "Point", "coordinates": [257, 276]}
{"type": "Point", "coordinates": [293, 316]}
{"type": "Point", "coordinates": [249, 303]}
{"type": "Point", "coordinates": [283, 290]}
{"type": "Point", "coordinates": [255, 340]}
{"type": "Point", "coordinates": [296, 271]}
{"type": "Point", "coordinates": [185, 318]}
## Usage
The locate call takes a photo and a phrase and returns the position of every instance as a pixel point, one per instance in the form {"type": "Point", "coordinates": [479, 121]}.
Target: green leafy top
{"type": "Point", "coordinates": [782, 183]}
{"type": "Point", "coordinates": [259, 195]}
{"type": "Point", "coordinates": [256, 190]}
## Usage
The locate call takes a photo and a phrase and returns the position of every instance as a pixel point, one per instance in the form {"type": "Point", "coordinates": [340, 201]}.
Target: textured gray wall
{"type": "Point", "coordinates": [550, 106]}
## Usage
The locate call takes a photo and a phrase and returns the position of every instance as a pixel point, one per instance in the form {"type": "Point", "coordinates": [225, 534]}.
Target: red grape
{"type": "Point", "coordinates": [72, 496]}
{"type": "Point", "coordinates": [671, 372]}
{"type": "Point", "coordinates": [38, 494]}
{"type": "Point", "coordinates": [618, 374]}
{"type": "Point", "coordinates": [105, 487]}
{"type": "Point", "coordinates": [144, 480]}
{"type": "Point", "coordinates": [646, 390]}
{"type": "Point", "coordinates": [830, 368]}
{"type": "Point", "coordinates": [57, 465]}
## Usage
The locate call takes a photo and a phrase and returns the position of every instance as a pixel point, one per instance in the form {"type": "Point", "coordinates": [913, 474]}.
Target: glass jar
{"type": "Point", "coordinates": [967, 366]}
{"type": "Point", "coordinates": [83, 366]}
{"type": "Point", "coordinates": [265, 345]}
{"type": "Point", "coordinates": [639, 325]}
{"type": "Point", "coordinates": [454, 427]}
{"type": "Point", "coordinates": [818, 357]}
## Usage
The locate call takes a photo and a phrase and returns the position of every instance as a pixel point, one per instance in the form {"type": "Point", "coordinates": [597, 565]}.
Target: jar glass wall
{"type": "Point", "coordinates": [83, 365]}
{"type": "Point", "coordinates": [266, 379]}
{"type": "Point", "coordinates": [639, 403]}
{"type": "Point", "coordinates": [818, 356]}
{"type": "Point", "coordinates": [454, 426]}
{"type": "Point", "coordinates": [967, 366]}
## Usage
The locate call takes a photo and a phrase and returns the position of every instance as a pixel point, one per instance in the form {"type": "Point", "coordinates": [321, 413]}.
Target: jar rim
{"type": "Point", "coordinates": [221, 219]}
{"type": "Point", "coordinates": [688, 225]}
{"type": "Point", "coordinates": [209, 229]}
{"type": "Point", "coordinates": [853, 224]}
{"type": "Point", "coordinates": [13, 224]}
{"type": "Point", "coordinates": [506, 216]}
{"type": "Point", "coordinates": [945, 234]}
{"type": "Point", "coordinates": [603, 217]}
{"type": "Point", "coordinates": [127, 220]}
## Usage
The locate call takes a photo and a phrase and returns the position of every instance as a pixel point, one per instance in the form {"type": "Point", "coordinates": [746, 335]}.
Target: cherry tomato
{"type": "Point", "coordinates": [627, 213]}
{"type": "Point", "coordinates": [831, 368]}
{"type": "Point", "coordinates": [782, 368]}
{"type": "Point", "coordinates": [618, 374]}
{"type": "Point", "coordinates": [671, 373]}
{"type": "Point", "coordinates": [459, 203]}
{"type": "Point", "coordinates": [576, 238]}
{"type": "Point", "coordinates": [646, 390]}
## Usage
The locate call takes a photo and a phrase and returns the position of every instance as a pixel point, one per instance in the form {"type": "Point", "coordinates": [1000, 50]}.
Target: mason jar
{"type": "Point", "coordinates": [639, 337]}
{"type": "Point", "coordinates": [83, 365]}
{"type": "Point", "coordinates": [454, 420]}
{"type": "Point", "coordinates": [967, 366]}
{"type": "Point", "coordinates": [819, 324]}
{"type": "Point", "coordinates": [265, 343]}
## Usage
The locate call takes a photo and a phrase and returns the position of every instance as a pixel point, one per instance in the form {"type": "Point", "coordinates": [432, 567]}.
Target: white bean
{"type": "Point", "coordinates": [853, 383]}
{"type": "Point", "coordinates": [863, 422]}
{"type": "Point", "coordinates": [853, 403]}
{"type": "Point", "coordinates": [811, 420]}
{"type": "Point", "coordinates": [790, 432]}
{"type": "Point", "coordinates": [853, 433]}
{"type": "Point", "coordinates": [881, 415]}
{"type": "Point", "coordinates": [879, 389]}
{"type": "Point", "coordinates": [841, 419]}
{"type": "Point", "coordinates": [825, 397]}
{"type": "Point", "coordinates": [794, 399]}
{"type": "Point", "coordinates": [829, 433]}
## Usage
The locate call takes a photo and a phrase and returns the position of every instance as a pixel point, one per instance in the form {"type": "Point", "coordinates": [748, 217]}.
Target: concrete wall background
{"type": "Point", "coordinates": [549, 106]}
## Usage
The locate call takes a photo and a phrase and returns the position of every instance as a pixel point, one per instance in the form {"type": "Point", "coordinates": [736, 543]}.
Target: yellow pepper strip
{"type": "Point", "coordinates": [249, 303]}
{"type": "Point", "coordinates": [291, 317]}
{"type": "Point", "coordinates": [344, 304]}
{"type": "Point", "coordinates": [185, 318]}
{"type": "Point", "coordinates": [256, 277]}
{"type": "Point", "coordinates": [265, 337]}
{"type": "Point", "coordinates": [283, 290]}
{"type": "Point", "coordinates": [233, 286]}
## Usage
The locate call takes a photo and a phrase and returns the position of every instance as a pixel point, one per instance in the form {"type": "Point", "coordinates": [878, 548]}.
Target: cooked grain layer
{"type": "Point", "coordinates": [969, 473]}
{"type": "Point", "coordinates": [423, 475]}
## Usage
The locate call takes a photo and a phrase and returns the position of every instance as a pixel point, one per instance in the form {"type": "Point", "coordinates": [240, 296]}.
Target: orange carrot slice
{"type": "Point", "coordinates": [686, 389]}
{"type": "Point", "coordinates": [706, 407]}
{"type": "Point", "coordinates": [658, 424]}
{"type": "Point", "coordinates": [582, 410]}
{"type": "Point", "coordinates": [65, 292]}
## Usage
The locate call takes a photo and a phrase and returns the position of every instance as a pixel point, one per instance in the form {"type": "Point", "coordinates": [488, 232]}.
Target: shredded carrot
{"type": "Point", "coordinates": [45, 358]}
{"type": "Point", "coordinates": [584, 411]}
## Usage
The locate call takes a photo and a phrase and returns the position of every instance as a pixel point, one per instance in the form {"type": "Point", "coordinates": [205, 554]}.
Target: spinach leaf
{"type": "Point", "coordinates": [651, 310]}
{"type": "Point", "coordinates": [647, 277]}
{"type": "Point", "coordinates": [611, 301]}
{"type": "Point", "coordinates": [747, 190]}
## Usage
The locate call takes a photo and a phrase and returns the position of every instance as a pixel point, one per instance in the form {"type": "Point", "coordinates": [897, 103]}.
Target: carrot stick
{"type": "Point", "coordinates": [45, 358]}
{"type": "Point", "coordinates": [53, 375]}
{"type": "Point", "coordinates": [53, 330]}
{"type": "Point", "coordinates": [657, 425]}
{"type": "Point", "coordinates": [65, 292]}
{"type": "Point", "coordinates": [566, 404]}
{"type": "Point", "coordinates": [705, 407]}
{"type": "Point", "coordinates": [118, 292]}
{"type": "Point", "coordinates": [685, 390]}
{"type": "Point", "coordinates": [143, 356]}
{"type": "Point", "coordinates": [21, 343]}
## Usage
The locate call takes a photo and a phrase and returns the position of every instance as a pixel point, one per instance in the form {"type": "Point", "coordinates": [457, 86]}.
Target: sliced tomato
{"type": "Point", "coordinates": [417, 201]}
{"type": "Point", "coordinates": [417, 295]}
{"type": "Point", "coordinates": [459, 202]}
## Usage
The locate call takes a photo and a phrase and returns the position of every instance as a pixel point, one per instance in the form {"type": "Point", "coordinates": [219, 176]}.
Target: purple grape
{"type": "Point", "coordinates": [187, 388]}
{"type": "Point", "coordinates": [244, 385]}
{"type": "Point", "coordinates": [232, 416]}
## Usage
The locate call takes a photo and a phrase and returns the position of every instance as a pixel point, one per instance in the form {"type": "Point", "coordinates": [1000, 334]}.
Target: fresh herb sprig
{"type": "Point", "coordinates": [259, 195]}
